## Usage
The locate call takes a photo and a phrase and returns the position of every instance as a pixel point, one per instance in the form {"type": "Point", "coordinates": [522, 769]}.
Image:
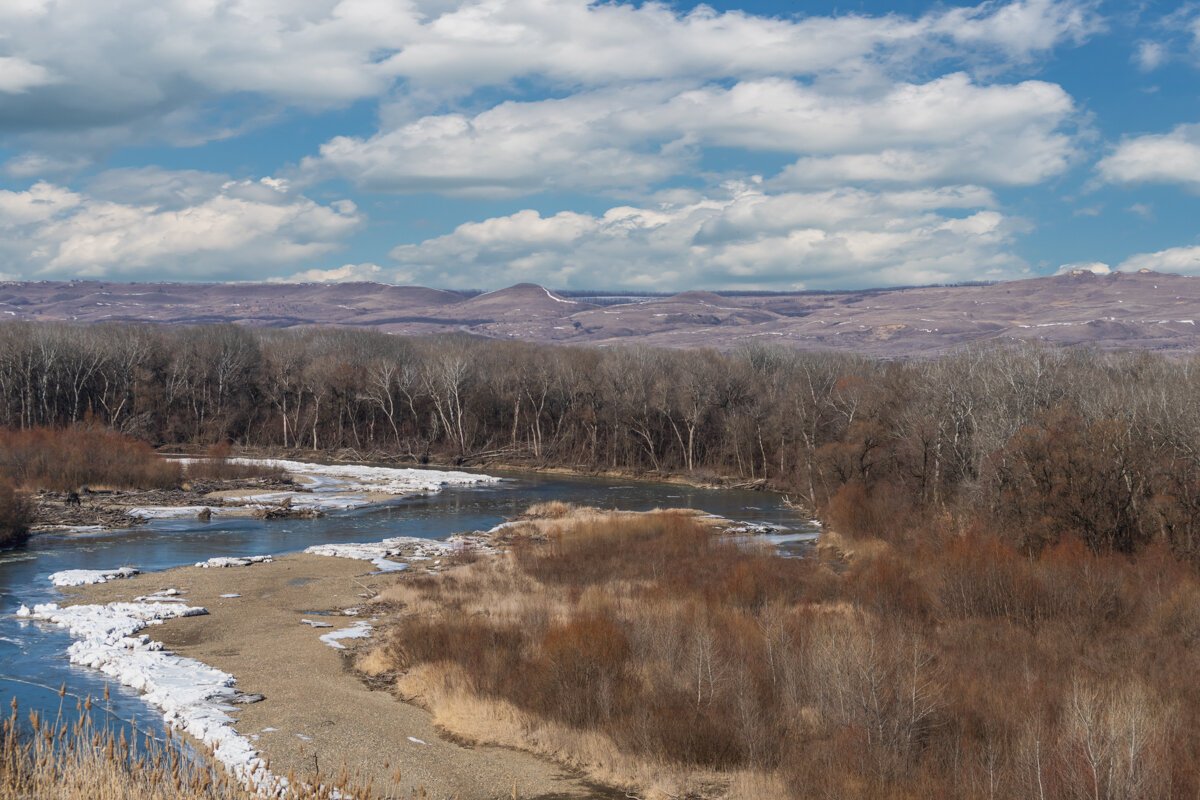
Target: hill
{"type": "Point", "coordinates": [1122, 310]}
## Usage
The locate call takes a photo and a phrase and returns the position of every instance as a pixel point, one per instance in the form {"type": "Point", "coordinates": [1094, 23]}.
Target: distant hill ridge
{"type": "Point", "coordinates": [1122, 310]}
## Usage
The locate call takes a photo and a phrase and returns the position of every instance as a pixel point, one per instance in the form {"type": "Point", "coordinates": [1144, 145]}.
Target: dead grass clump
{"type": "Point", "coordinates": [552, 509]}
{"type": "Point", "coordinates": [216, 465]}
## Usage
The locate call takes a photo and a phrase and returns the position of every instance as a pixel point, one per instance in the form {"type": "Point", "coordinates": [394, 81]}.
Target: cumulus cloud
{"type": "Point", "coordinates": [504, 98]}
{"type": "Point", "coordinates": [743, 238]}
{"type": "Point", "coordinates": [948, 130]}
{"type": "Point", "coordinates": [1172, 158]}
{"type": "Point", "coordinates": [1182, 260]}
{"type": "Point", "coordinates": [585, 43]}
{"type": "Point", "coordinates": [224, 231]}
{"type": "Point", "coordinates": [578, 142]}
{"type": "Point", "coordinates": [343, 274]}
{"type": "Point", "coordinates": [93, 64]}
{"type": "Point", "coordinates": [1094, 267]}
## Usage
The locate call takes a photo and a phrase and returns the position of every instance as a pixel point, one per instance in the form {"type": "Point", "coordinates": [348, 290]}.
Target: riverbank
{"type": "Point", "coordinates": [707, 480]}
{"type": "Point", "coordinates": [283, 637]}
{"type": "Point", "coordinates": [295, 489]}
{"type": "Point", "coordinates": [317, 713]}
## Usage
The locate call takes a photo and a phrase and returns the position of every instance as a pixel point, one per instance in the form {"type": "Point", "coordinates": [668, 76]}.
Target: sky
{"type": "Point", "coordinates": [656, 147]}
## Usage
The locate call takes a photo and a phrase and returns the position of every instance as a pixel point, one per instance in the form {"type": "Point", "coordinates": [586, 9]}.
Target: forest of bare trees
{"type": "Point", "coordinates": [1039, 442]}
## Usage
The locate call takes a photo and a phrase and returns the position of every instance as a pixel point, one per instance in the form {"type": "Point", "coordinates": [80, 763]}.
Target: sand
{"type": "Point", "coordinates": [311, 691]}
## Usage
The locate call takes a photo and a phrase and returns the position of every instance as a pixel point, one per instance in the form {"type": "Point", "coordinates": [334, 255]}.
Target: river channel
{"type": "Point", "coordinates": [33, 661]}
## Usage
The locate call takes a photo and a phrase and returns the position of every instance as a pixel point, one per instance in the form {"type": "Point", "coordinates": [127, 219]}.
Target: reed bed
{"type": "Point", "coordinates": [71, 757]}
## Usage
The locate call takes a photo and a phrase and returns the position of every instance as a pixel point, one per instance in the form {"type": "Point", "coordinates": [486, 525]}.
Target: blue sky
{"type": "Point", "coordinates": [479, 143]}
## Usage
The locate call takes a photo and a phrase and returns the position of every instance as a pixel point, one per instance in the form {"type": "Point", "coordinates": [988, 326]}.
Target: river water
{"type": "Point", "coordinates": [33, 661]}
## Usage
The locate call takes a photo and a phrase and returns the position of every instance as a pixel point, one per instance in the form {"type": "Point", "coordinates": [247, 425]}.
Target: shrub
{"type": "Point", "coordinates": [216, 465]}
{"type": "Point", "coordinates": [68, 458]}
{"type": "Point", "coordinates": [15, 515]}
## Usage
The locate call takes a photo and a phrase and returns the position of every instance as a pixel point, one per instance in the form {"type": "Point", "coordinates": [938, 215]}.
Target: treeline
{"type": "Point", "coordinates": [1036, 443]}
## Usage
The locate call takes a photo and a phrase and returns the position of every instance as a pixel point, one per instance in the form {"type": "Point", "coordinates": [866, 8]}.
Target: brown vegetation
{"type": "Point", "coordinates": [658, 655]}
{"type": "Point", "coordinates": [15, 514]}
{"type": "Point", "coordinates": [78, 760]}
{"type": "Point", "coordinates": [67, 459]}
{"type": "Point", "coordinates": [64, 460]}
{"type": "Point", "coordinates": [216, 465]}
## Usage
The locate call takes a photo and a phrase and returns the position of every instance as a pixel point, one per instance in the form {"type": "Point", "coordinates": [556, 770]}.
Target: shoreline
{"type": "Point", "coordinates": [317, 711]}
{"type": "Point", "coordinates": [106, 511]}
{"type": "Point", "coordinates": [282, 634]}
{"type": "Point", "coordinates": [483, 465]}
{"type": "Point", "coordinates": [305, 490]}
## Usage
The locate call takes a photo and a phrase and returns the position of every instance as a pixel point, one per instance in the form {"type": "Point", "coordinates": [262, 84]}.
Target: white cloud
{"type": "Point", "coordinates": [1172, 158]}
{"type": "Point", "coordinates": [1150, 55]}
{"type": "Point", "coordinates": [575, 143]}
{"type": "Point", "coordinates": [948, 130]}
{"type": "Point", "coordinates": [18, 75]}
{"type": "Point", "coordinates": [41, 165]}
{"type": "Point", "coordinates": [584, 43]}
{"type": "Point", "coordinates": [1022, 28]}
{"type": "Point", "coordinates": [744, 238]}
{"type": "Point", "coordinates": [88, 64]}
{"type": "Point", "coordinates": [345, 273]}
{"type": "Point", "coordinates": [1094, 267]}
{"type": "Point", "coordinates": [235, 228]}
{"type": "Point", "coordinates": [1182, 260]}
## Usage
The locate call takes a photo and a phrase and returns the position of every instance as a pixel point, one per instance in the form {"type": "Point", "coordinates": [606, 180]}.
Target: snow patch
{"type": "Point", "coordinates": [86, 577]}
{"type": "Point", "coordinates": [359, 630]}
{"type": "Point", "coordinates": [410, 547]}
{"type": "Point", "coordinates": [226, 561]}
{"type": "Point", "coordinates": [193, 696]}
{"type": "Point", "coordinates": [167, 512]}
{"type": "Point", "coordinates": [328, 487]}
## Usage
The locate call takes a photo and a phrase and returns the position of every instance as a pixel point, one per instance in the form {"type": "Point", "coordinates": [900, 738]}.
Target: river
{"type": "Point", "coordinates": [33, 661]}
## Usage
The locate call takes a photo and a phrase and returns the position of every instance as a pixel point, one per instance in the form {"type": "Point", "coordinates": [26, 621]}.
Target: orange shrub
{"type": "Point", "coordinates": [65, 459]}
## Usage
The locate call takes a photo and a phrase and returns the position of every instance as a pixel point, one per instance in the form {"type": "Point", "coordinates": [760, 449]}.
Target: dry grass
{"type": "Point", "coordinates": [215, 464]}
{"type": "Point", "coordinates": [75, 760]}
{"type": "Point", "coordinates": [658, 657]}
{"type": "Point", "coordinates": [585, 647]}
